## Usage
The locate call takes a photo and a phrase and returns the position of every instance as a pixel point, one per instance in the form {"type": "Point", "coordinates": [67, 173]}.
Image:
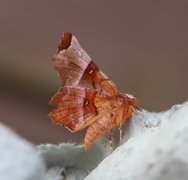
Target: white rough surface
{"type": "Point", "coordinates": [18, 159]}
{"type": "Point", "coordinates": [155, 148]}
{"type": "Point", "coordinates": [71, 162]}
{"type": "Point", "coordinates": [156, 151]}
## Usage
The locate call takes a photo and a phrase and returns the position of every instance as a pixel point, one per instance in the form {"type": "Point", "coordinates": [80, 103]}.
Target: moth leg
{"type": "Point", "coordinates": [120, 133]}
{"type": "Point", "coordinates": [110, 137]}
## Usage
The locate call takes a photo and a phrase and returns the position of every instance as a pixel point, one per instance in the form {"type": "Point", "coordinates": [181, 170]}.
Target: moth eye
{"type": "Point", "coordinates": [86, 102]}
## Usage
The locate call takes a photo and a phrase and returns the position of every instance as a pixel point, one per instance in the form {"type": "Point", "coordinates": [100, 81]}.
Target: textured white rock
{"type": "Point", "coordinates": [18, 159]}
{"type": "Point", "coordinates": [155, 147]}
{"type": "Point", "coordinates": [71, 162]}
{"type": "Point", "coordinates": [157, 151]}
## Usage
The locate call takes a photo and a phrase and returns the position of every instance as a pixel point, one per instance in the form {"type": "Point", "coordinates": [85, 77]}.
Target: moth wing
{"type": "Point", "coordinates": [75, 67]}
{"type": "Point", "coordinates": [74, 107]}
{"type": "Point", "coordinates": [108, 120]}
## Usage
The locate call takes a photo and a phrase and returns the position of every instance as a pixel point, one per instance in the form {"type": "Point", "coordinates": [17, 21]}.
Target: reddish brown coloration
{"type": "Point", "coordinates": [86, 98]}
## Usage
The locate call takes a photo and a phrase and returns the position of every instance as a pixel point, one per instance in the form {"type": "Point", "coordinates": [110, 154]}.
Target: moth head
{"type": "Point", "coordinates": [132, 100]}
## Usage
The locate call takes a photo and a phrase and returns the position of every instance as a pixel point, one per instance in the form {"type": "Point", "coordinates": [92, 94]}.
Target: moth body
{"type": "Point", "coordinates": [87, 98]}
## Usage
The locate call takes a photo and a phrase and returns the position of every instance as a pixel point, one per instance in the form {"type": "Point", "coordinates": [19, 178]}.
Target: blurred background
{"type": "Point", "coordinates": [141, 45]}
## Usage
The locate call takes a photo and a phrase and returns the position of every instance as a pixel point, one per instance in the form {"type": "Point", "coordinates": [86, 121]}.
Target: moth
{"type": "Point", "coordinates": [87, 98]}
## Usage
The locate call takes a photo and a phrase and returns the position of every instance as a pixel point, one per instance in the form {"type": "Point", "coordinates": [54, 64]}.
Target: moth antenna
{"type": "Point", "coordinates": [139, 117]}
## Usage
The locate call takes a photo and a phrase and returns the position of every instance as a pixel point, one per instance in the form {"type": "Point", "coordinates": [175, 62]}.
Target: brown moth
{"type": "Point", "coordinates": [86, 98]}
